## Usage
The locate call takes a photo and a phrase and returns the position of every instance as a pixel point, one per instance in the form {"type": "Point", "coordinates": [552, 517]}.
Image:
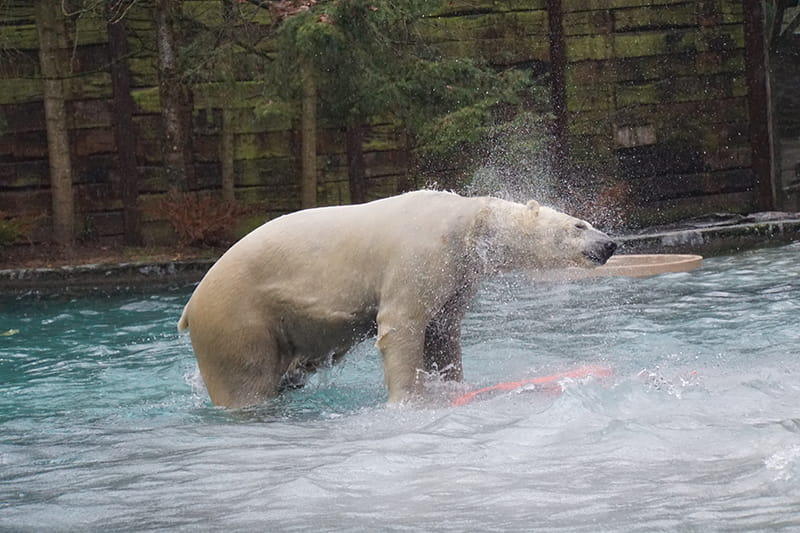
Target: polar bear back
{"type": "Point", "coordinates": [341, 257]}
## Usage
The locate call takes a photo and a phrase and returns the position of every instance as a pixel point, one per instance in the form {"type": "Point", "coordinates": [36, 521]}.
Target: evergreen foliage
{"type": "Point", "coordinates": [370, 60]}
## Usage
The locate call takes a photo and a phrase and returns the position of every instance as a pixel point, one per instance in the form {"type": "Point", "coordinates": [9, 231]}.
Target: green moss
{"type": "Point", "coordinates": [590, 123]}
{"type": "Point", "coordinates": [90, 30]}
{"type": "Point", "coordinates": [593, 5]}
{"type": "Point", "coordinates": [721, 38]}
{"type": "Point", "coordinates": [143, 71]}
{"type": "Point", "coordinates": [446, 7]}
{"type": "Point", "coordinates": [504, 51]}
{"type": "Point", "coordinates": [271, 115]}
{"type": "Point", "coordinates": [639, 94]}
{"type": "Point", "coordinates": [587, 22]}
{"type": "Point", "coordinates": [333, 193]}
{"type": "Point", "coordinates": [382, 187]}
{"type": "Point", "coordinates": [240, 94]}
{"type": "Point", "coordinates": [95, 85]}
{"type": "Point", "coordinates": [383, 138]}
{"type": "Point", "coordinates": [206, 12]}
{"type": "Point", "coordinates": [146, 100]}
{"type": "Point", "coordinates": [484, 26]}
{"type": "Point", "coordinates": [655, 17]}
{"type": "Point", "coordinates": [582, 98]}
{"type": "Point", "coordinates": [255, 146]}
{"type": "Point", "coordinates": [654, 43]}
{"type": "Point", "coordinates": [585, 47]}
{"type": "Point", "coordinates": [20, 90]}
{"type": "Point", "coordinates": [269, 171]}
{"type": "Point", "coordinates": [19, 36]}
{"type": "Point", "coordinates": [248, 224]}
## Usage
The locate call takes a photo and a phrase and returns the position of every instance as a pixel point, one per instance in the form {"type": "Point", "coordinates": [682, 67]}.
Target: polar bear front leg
{"type": "Point", "coordinates": [402, 344]}
{"type": "Point", "coordinates": [443, 348]}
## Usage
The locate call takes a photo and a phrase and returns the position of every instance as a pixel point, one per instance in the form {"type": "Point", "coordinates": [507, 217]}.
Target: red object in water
{"type": "Point", "coordinates": [577, 373]}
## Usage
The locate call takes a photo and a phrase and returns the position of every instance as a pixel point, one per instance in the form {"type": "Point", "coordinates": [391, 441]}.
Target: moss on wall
{"type": "Point", "coordinates": [655, 75]}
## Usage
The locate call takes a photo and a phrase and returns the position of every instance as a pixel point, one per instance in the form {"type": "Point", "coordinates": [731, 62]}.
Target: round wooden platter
{"type": "Point", "coordinates": [634, 266]}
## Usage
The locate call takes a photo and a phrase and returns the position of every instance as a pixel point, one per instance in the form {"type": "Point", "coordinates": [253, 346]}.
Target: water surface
{"type": "Point", "coordinates": [104, 424]}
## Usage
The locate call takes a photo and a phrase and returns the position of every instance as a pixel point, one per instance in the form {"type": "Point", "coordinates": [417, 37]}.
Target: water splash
{"type": "Point", "coordinates": [785, 463]}
{"type": "Point", "coordinates": [519, 165]}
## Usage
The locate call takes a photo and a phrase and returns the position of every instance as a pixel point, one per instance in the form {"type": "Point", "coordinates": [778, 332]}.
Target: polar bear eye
{"type": "Point", "coordinates": [581, 225]}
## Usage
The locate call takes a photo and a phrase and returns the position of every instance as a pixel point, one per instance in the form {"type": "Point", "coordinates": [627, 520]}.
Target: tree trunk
{"type": "Point", "coordinates": [173, 96]}
{"type": "Point", "coordinates": [231, 17]}
{"type": "Point", "coordinates": [124, 132]}
{"type": "Point", "coordinates": [227, 152]}
{"type": "Point", "coordinates": [308, 133]}
{"type": "Point", "coordinates": [356, 170]}
{"type": "Point", "coordinates": [52, 59]}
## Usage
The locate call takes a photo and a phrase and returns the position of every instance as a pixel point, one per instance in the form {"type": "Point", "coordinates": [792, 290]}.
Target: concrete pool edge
{"type": "Point", "coordinates": [706, 240]}
{"type": "Point", "coordinates": [103, 276]}
{"type": "Point", "coordinates": [715, 239]}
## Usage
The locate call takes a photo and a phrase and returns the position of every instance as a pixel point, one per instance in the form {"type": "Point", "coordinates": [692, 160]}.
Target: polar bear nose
{"type": "Point", "coordinates": [601, 251]}
{"type": "Point", "coordinates": [607, 249]}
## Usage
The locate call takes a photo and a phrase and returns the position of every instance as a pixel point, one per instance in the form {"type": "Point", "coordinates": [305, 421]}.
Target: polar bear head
{"type": "Point", "coordinates": [534, 236]}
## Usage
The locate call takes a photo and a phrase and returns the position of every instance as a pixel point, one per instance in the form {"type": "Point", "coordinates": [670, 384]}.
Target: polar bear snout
{"type": "Point", "coordinates": [600, 251]}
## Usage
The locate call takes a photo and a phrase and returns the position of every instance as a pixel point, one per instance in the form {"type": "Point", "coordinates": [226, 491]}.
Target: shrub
{"type": "Point", "coordinates": [14, 230]}
{"type": "Point", "coordinates": [202, 219]}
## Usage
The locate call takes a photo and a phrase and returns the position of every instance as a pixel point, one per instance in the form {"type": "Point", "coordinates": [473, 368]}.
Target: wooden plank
{"type": "Point", "coordinates": [654, 189]}
{"type": "Point", "coordinates": [387, 163]}
{"type": "Point", "coordinates": [24, 145]}
{"type": "Point", "coordinates": [94, 169]}
{"type": "Point", "coordinates": [20, 36]}
{"type": "Point", "coordinates": [21, 90]}
{"type": "Point", "coordinates": [90, 85]}
{"type": "Point", "coordinates": [581, 98]}
{"type": "Point", "coordinates": [680, 90]}
{"type": "Point", "coordinates": [593, 5]}
{"type": "Point", "coordinates": [588, 22]}
{"type": "Point", "coordinates": [89, 113]}
{"type": "Point", "coordinates": [18, 118]}
{"type": "Point", "coordinates": [24, 175]}
{"type": "Point", "coordinates": [25, 202]}
{"type": "Point", "coordinates": [451, 8]}
{"type": "Point", "coordinates": [271, 171]}
{"type": "Point", "coordinates": [103, 224]}
{"type": "Point", "coordinates": [15, 63]}
{"type": "Point", "coordinates": [88, 141]}
{"type": "Point", "coordinates": [649, 17]}
{"type": "Point", "coordinates": [261, 145]}
{"type": "Point", "coordinates": [240, 94]}
{"type": "Point", "coordinates": [716, 111]}
{"type": "Point", "coordinates": [96, 197]}
{"type": "Point", "coordinates": [589, 47]}
{"type": "Point", "coordinates": [509, 25]}
{"type": "Point", "coordinates": [684, 208]}
{"type": "Point", "coordinates": [507, 51]}
{"type": "Point", "coordinates": [646, 68]}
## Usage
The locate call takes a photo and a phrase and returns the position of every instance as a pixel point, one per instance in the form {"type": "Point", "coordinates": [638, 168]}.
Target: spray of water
{"type": "Point", "coordinates": [520, 166]}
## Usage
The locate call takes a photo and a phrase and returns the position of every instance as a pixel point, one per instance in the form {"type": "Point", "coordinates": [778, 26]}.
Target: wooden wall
{"type": "Point", "coordinates": [655, 97]}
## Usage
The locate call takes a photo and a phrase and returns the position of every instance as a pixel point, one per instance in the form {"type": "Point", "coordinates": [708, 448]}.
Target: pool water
{"type": "Point", "coordinates": [105, 425]}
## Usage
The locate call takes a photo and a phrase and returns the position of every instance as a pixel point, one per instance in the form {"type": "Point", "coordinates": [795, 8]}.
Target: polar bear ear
{"type": "Point", "coordinates": [533, 205]}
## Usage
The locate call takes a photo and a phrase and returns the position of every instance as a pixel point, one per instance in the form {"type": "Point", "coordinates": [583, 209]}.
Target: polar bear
{"type": "Point", "coordinates": [302, 289]}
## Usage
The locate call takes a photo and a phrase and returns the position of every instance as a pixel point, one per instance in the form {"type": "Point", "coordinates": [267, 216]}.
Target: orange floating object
{"type": "Point", "coordinates": [577, 373]}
